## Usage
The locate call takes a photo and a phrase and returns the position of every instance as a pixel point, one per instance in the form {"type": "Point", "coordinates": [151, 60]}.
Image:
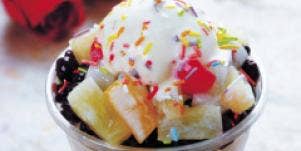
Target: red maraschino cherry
{"type": "Point", "coordinates": [196, 77]}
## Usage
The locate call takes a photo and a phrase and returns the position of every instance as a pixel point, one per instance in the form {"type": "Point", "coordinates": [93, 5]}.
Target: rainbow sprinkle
{"type": "Point", "coordinates": [204, 25]}
{"type": "Point", "coordinates": [115, 36]}
{"type": "Point", "coordinates": [148, 64]}
{"type": "Point", "coordinates": [123, 17]}
{"type": "Point", "coordinates": [131, 62]}
{"type": "Point", "coordinates": [145, 25]}
{"type": "Point", "coordinates": [82, 69]}
{"type": "Point", "coordinates": [225, 40]}
{"type": "Point", "coordinates": [170, 6]}
{"type": "Point", "coordinates": [147, 49]}
{"type": "Point", "coordinates": [139, 40]}
{"type": "Point", "coordinates": [215, 63]}
{"type": "Point", "coordinates": [104, 70]}
{"type": "Point", "coordinates": [188, 33]}
{"type": "Point", "coordinates": [174, 134]}
{"type": "Point", "coordinates": [181, 13]}
{"type": "Point", "coordinates": [111, 58]}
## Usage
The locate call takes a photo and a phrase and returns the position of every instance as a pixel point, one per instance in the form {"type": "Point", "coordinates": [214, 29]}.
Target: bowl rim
{"type": "Point", "coordinates": [211, 144]}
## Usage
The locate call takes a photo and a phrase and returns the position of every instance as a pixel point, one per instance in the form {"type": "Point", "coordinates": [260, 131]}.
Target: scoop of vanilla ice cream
{"type": "Point", "coordinates": [152, 35]}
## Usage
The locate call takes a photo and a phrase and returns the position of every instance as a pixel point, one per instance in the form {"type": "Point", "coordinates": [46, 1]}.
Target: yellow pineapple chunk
{"type": "Point", "coordinates": [170, 109]}
{"type": "Point", "coordinates": [196, 123]}
{"type": "Point", "coordinates": [81, 45]}
{"type": "Point", "coordinates": [130, 101]}
{"type": "Point", "coordinates": [95, 109]}
{"type": "Point", "coordinates": [238, 95]}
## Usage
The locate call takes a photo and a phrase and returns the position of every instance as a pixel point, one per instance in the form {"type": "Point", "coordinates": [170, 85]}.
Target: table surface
{"type": "Point", "coordinates": [273, 25]}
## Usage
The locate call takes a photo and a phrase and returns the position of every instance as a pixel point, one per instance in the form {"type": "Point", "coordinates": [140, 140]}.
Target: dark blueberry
{"type": "Point", "coordinates": [188, 102]}
{"type": "Point", "coordinates": [135, 73]}
{"type": "Point", "coordinates": [228, 120]}
{"type": "Point", "coordinates": [251, 68]}
{"type": "Point", "coordinates": [61, 98]}
{"type": "Point", "coordinates": [84, 127]}
{"type": "Point", "coordinates": [248, 49]}
{"type": "Point", "coordinates": [131, 141]}
{"type": "Point", "coordinates": [68, 113]}
{"type": "Point", "coordinates": [243, 115]}
{"type": "Point", "coordinates": [151, 141]}
{"type": "Point", "coordinates": [70, 54]}
{"type": "Point", "coordinates": [65, 67]}
{"type": "Point", "coordinates": [79, 77]}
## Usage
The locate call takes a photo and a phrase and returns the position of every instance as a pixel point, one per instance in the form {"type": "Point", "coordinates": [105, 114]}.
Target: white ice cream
{"type": "Point", "coordinates": [164, 23]}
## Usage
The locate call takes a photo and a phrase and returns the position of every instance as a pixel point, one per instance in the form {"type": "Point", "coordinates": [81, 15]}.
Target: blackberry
{"type": "Point", "coordinates": [61, 98]}
{"type": "Point", "coordinates": [68, 113]}
{"type": "Point", "coordinates": [251, 68]}
{"type": "Point", "coordinates": [78, 77]}
{"type": "Point", "coordinates": [86, 128]}
{"type": "Point", "coordinates": [151, 141]}
{"type": "Point", "coordinates": [65, 67]}
{"type": "Point", "coordinates": [243, 115]}
{"type": "Point", "coordinates": [248, 49]}
{"type": "Point", "coordinates": [228, 120]}
{"type": "Point", "coordinates": [70, 54]}
{"type": "Point", "coordinates": [188, 102]}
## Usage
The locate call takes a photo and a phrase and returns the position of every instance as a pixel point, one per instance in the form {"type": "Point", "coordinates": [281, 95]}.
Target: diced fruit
{"type": "Point", "coordinates": [196, 78]}
{"type": "Point", "coordinates": [197, 123]}
{"type": "Point", "coordinates": [232, 75]}
{"type": "Point", "coordinates": [170, 109]}
{"type": "Point", "coordinates": [238, 95]}
{"type": "Point", "coordinates": [201, 99]}
{"type": "Point", "coordinates": [94, 108]}
{"type": "Point", "coordinates": [219, 86]}
{"type": "Point", "coordinates": [130, 101]}
{"type": "Point", "coordinates": [101, 75]}
{"type": "Point", "coordinates": [168, 90]}
{"type": "Point", "coordinates": [81, 45]}
{"type": "Point", "coordinates": [251, 69]}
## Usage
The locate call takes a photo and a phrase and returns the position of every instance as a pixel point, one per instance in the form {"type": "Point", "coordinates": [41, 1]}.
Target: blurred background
{"type": "Point", "coordinates": [274, 28]}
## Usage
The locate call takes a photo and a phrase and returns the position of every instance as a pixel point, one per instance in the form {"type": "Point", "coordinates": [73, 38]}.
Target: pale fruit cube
{"type": "Point", "coordinates": [170, 109]}
{"type": "Point", "coordinates": [203, 99]}
{"type": "Point", "coordinates": [130, 101]}
{"type": "Point", "coordinates": [101, 75]}
{"type": "Point", "coordinates": [169, 90]}
{"type": "Point", "coordinates": [81, 45]}
{"type": "Point", "coordinates": [94, 108]}
{"type": "Point", "coordinates": [232, 75]}
{"type": "Point", "coordinates": [238, 96]}
{"type": "Point", "coordinates": [221, 73]}
{"type": "Point", "coordinates": [197, 123]}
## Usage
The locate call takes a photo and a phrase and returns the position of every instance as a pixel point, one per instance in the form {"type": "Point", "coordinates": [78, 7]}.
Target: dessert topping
{"type": "Point", "coordinates": [196, 78]}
